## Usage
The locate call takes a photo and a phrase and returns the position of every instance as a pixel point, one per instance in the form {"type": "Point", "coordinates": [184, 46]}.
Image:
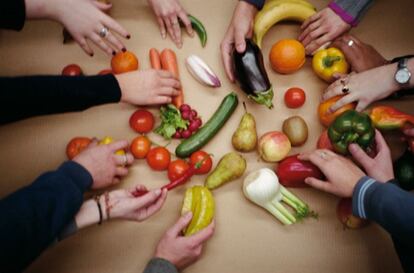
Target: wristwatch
{"type": "Point", "coordinates": [403, 75]}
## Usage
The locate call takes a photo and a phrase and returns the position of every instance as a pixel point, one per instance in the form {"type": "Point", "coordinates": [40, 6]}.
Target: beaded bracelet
{"type": "Point", "coordinates": [108, 207]}
{"type": "Point", "coordinates": [97, 197]}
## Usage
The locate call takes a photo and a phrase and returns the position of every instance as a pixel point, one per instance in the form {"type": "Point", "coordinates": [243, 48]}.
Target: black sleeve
{"type": "Point", "coordinates": [12, 14]}
{"type": "Point", "coordinates": [24, 97]}
{"type": "Point", "coordinates": [257, 3]}
{"type": "Point", "coordinates": [32, 217]}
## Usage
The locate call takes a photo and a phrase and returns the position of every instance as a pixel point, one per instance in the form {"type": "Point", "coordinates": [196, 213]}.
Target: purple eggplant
{"type": "Point", "coordinates": [251, 75]}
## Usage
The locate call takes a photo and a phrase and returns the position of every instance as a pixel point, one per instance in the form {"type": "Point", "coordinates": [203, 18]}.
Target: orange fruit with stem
{"type": "Point", "coordinates": [287, 56]}
{"type": "Point", "coordinates": [124, 62]}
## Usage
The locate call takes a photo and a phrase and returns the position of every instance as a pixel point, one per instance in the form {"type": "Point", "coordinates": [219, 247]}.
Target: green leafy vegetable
{"type": "Point", "coordinates": [171, 121]}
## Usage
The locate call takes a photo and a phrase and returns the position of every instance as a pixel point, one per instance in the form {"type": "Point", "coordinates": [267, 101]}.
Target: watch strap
{"type": "Point", "coordinates": [402, 63]}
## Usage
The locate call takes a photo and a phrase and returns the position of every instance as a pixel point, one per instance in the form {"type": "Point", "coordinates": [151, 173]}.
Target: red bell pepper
{"type": "Point", "coordinates": [292, 172]}
{"type": "Point", "coordinates": [389, 118]}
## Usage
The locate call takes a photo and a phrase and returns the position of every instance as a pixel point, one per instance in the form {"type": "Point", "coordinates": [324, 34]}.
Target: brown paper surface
{"type": "Point", "coordinates": [247, 238]}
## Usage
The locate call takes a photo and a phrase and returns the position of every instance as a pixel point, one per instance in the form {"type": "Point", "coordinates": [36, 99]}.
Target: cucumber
{"type": "Point", "coordinates": [210, 129]}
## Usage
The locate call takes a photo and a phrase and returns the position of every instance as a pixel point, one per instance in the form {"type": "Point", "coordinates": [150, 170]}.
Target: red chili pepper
{"type": "Point", "coordinates": [292, 172]}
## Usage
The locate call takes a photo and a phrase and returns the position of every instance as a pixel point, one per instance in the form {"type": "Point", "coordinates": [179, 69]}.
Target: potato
{"type": "Point", "coordinates": [296, 130]}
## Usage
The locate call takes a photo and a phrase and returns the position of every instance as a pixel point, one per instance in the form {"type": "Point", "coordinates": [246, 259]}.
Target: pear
{"type": "Point", "coordinates": [245, 137]}
{"type": "Point", "coordinates": [230, 167]}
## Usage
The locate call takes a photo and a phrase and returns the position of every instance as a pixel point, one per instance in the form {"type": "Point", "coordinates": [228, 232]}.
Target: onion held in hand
{"type": "Point", "coordinates": [274, 146]}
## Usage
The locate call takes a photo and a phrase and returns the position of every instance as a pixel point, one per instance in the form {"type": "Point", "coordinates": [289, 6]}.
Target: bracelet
{"type": "Point", "coordinates": [97, 197]}
{"type": "Point", "coordinates": [108, 207]}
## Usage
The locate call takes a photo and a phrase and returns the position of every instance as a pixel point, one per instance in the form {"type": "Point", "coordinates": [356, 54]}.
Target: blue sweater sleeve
{"type": "Point", "coordinates": [257, 3]}
{"type": "Point", "coordinates": [32, 217]}
{"type": "Point", "coordinates": [393, 209]}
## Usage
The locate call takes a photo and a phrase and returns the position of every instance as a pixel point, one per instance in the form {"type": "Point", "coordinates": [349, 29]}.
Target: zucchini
{"type": "Point", "coordinates": [210, 129]}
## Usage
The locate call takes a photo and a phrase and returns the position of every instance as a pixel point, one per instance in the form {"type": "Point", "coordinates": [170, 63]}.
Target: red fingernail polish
{"type": "Point", "coordinates": [123, 49]}
{"type": "Point", "coordinates": [91, 54]}
{"type": "Point", "coordinates": [113, 53]}
{"type": "Point", "coordinates": [128, 36]}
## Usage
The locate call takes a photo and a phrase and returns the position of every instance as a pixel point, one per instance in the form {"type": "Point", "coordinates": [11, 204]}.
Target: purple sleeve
{"type": "Point", "coordinates": [351, 11]}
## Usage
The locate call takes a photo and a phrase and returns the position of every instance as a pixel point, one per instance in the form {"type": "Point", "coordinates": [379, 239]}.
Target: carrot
{"type": "Point", "coordinates": [155, 58]}
{"type": "Point", "coordinates": [169, 63]}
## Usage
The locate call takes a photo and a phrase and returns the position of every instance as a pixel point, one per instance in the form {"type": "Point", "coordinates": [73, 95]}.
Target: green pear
{"type": "Point", "coordinates": [245, 137]}
{"type": "Point", "coordinates": [230, 167]}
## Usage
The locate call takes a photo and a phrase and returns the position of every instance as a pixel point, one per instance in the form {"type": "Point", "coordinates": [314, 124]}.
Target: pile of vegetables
{"type": "Point", "coordinates": [171, 121]}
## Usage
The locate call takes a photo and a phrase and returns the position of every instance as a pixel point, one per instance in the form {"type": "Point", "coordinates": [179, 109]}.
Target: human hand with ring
{"type": "Point", "coordinates": [341, 173]}
{"type": "Point", "coordinates": [360, 56]}
{"type": "Point", "coordinates": [363, 88]}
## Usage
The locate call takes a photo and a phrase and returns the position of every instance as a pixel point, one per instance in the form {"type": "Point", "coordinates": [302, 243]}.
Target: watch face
{"type": "Point", "coordinates": [402, 76]}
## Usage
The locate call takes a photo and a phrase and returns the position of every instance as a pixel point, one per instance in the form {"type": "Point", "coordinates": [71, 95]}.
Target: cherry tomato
{"type": "Point", "coordinates": [72, 70]}
{"type": "Point", "coordinates": [295, 97]}
{"type": "Point", "coordinates": [140, 147]}
{"type": "Point", "coordinates": [158, 158]}
{"type": "Point", "coordinates": [177, 168]}
{"type": "Point", "coordinates": [142, 121]}
{"type": "Point", "coordinates": [203, 158]}
{"type": "Point", "coordinates": [76, 145]}
{"type": "Point", "coordinates": [105, 72]}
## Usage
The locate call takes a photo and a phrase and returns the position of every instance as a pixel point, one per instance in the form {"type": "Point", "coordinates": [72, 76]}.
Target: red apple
{"type": "Point", "coordinates": [324, 142]}
{"type": "Point", "coordinates": [345, 216]}
{"type": "Point", "coordinates": [274, 146]}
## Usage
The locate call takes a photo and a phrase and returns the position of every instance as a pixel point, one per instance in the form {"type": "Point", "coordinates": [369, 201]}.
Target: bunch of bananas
{"type": "Point", "coordinates": [275, 11]}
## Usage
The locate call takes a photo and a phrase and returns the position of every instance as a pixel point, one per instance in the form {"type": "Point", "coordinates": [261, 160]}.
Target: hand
{"type": "Point", "coordinates": [342, 175]}
{"type": "Point", "coordinates": [179, 250]}
{"type": "Point", "coordinates": [380, 167]}
{"type": "Point", "coordinates": [359, 55]}
{"type": "Point", "coordinates": [168, 13]}
{"type": "Point", "coordinates": [365, 87]}
{"type": "Point", "coordinates": [125, 206]}
{"type": "Point", "coordinates": [147, 87]}
{"type": "Point", "coordinates": [321, 28]}
{"type": "Point", "coordinates": [240, 28]}
{"type": "Point", "coordinates": [84, 20]}
{"type": "Point", "coordinates": [105, 167]}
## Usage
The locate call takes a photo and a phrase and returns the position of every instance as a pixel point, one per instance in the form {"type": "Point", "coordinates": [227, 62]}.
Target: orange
{"type": "Point", "coordinates": [124, 62]}
{"type": "Point", "coordinates": [287, 56]}
{"type": "Point", "coordinates": [325, 116]}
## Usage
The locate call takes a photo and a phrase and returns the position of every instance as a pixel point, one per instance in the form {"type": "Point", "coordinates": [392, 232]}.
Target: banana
{"type": "Point", "coordinates": [279, 10]}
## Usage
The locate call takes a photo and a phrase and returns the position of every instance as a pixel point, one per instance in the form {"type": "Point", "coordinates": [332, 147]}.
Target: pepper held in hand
{"type": "Point", "coordinates": [351, 127]}
{"type": "Point", "coordinates": [200, 202]}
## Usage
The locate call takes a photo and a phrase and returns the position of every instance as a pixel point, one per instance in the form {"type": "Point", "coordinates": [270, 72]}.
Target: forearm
{"type": "Point", "coordinates": [32, 217]}
{"type": "Point", "coordinates": [41, 95]}
{"type": "Point", "coordinates": [351, 11]}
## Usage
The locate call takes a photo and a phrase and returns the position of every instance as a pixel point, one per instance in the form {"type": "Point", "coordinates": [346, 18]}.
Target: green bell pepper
{"type": "Point", "coordinates": [351, 127]}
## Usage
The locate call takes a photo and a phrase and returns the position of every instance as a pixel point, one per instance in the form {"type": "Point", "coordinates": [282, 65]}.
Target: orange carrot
{"type": "Point", "coordinates": [155, 58]}
{"type": "Point", "coordinates": [169, 63]}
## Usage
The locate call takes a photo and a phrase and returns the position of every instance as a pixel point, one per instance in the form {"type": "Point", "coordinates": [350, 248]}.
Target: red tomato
{"type": "Point", "coordinates": [72, 70]}
{"type": "Point", "coordinates": [76, 145]}
{"type": "Point", "coordinates": [140, 147]}
{"type": "Point", "coordinates": [142, 121]}
{"type": "Point", "coordinates": [105, 72]}
{"type": "Point", "coordinates": [205, 158]}
{"type": "Point", "coordinates": [295, 97]}
{"type": "Point", "coordinates": [177, 168]}
{"type": "Point", "coordinates": [158, 158]}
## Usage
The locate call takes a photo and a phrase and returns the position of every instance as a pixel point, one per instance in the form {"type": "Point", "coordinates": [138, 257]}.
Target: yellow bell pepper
{"type": "Point", "coordinates": [327, 62]}
{"type": "Point", "coordinates": [200, 202]}
{"type": "Point", "coordinates": [106, 140]}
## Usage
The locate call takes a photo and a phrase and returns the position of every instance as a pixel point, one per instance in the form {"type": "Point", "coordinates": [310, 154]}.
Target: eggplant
{"type": "Point", "coordinates": [251, 75]}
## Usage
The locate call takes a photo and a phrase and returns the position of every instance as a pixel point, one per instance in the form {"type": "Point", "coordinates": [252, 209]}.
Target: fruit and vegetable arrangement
{"type": "Point", "coordinates": [180, 123]}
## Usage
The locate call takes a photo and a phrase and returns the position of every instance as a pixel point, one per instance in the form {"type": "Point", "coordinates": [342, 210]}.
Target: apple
{"type": "Point", "coordinates": [324, 142]}
{"type": "Point", "coordinates": [274, 146]}
{"type": "Point", "coordinates": [345, 216]}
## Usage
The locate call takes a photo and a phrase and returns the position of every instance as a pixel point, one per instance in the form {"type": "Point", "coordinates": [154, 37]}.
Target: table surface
{"type": "Point", "coordinates": [247, 238]}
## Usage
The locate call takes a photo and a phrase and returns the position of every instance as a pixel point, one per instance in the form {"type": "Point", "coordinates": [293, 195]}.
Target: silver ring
{"type": "Point", "coordinates": [103, 32]}
{"type": "Point", "coordinates": [350, 43]}
{"type": "Point", "coordinates": [125, 160]}
{"type": "Point", "coordinates": [345, 89]}
{"type": "Point", "coordinates": [323, 155]}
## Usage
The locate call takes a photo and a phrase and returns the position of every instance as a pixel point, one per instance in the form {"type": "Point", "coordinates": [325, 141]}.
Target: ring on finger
{"type": "Point", "coordinates": [103, 32]}
{"type": "Point", "coordinates": [345, 89]}
{"type": "Point", "coordinates": [350, 43]}
{"type": "Point", "coordinates": [323, 155]}
{"type": "Point", "coordinates": [125, 160]}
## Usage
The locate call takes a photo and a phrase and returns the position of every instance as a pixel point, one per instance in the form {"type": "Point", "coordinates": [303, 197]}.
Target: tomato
{"type": "Point", "coordinates": [295, 97]}
{"type": "Point", "coordinates": [205, 158]}
{"type": "Point", "coordinates": [76, 145]}
{"type": "Point", "coordinates": [72, 70]}
{"type": "Point", "coordinates": [123, 62]}
{"type": "Point", "coordinates": [105, 72]}
{"type": "Point", "coordinates": [325, 116]}
{"type": "Point", "coordinates": [324, 142]}
{"type": "Point", "coordinates": [140, 147]}
{"type": "Point", "coordinates": [158, 158]}
{"type": "Point", "coordinates": [177, 168]}
{"type": "Point", "coordinates": [142, 121]}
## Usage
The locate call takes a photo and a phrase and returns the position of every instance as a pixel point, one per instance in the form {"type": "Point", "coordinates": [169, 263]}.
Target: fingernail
{"type": "Point", "coordinates": [91, 54]}
{"type": "Point", "coordinates": [188, 214]}
{"type": "Point", "coordinates": [163, 35]}
{"type": "Point", "coordinates": [157, 191]}
{"type": "Point", "coordinates": [113, 52]}
{"type": "Point", "coordinates": [306, 180]}
{"type": "Point", "coordinates": [123, 49]}
{"type": "Point", "coordinates": [128, 36]}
